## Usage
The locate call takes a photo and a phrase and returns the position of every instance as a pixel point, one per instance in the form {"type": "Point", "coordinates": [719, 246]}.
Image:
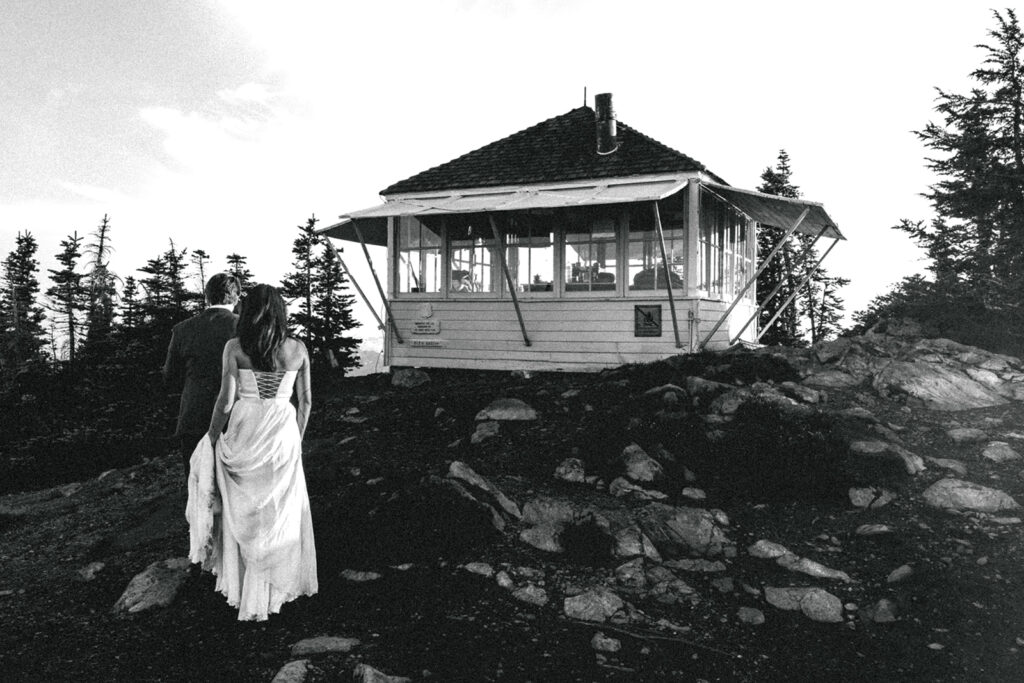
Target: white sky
{"type": "Point", "coordinates": [224, 124]}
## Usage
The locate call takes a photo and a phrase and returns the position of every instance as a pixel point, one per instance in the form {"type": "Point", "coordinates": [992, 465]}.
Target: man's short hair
{"type": "Point", "coordinates": [223, 288]}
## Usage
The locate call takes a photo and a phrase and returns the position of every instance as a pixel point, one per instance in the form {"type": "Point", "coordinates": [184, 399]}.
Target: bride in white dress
{"type": "Point", "coordinates": [248, 509]}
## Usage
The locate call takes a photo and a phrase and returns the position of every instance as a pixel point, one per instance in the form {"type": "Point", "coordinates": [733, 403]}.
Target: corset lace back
{"type": "Point", "coordinates": [266, 385]}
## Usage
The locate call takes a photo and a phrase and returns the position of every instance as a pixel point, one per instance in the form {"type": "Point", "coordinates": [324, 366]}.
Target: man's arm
{"type": "Point", "coordinates": [174, 369]}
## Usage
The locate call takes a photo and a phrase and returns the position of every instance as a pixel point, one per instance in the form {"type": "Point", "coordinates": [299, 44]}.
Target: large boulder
{"type": "Point", "coordinates": [157, 586]}
{"type": "Point", "coordinates": [640, 466]}
{"type": "Point", "coordinates": [508, 409]}
{"type": "Point", "coordinates": [957, 494]}
{"type": "Point", "coordinates": [682, 531]}
{"type": "Point", "coordinates": [938, 386]}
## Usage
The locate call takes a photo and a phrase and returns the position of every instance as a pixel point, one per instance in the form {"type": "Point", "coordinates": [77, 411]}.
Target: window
{"type": "Point", "coordinates": [645, 268]}
{"type": "Point", "coordinates": [473, 262]}
{"type": "Point", "coordinates": [725, 251]}
{"type": "Point", "coordinates": [419, 256]}
{"type": "Point", "coordinates": [530, 249]}
{"type": "Point", "coordinates": [590, 257]}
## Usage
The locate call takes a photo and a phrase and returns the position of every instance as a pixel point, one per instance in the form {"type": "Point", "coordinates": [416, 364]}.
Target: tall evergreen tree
{"type": "Point", "coordinates": [22, 334]}
{"type": "Point", "coordinates": [69, 297]}
{"type": "Point", "coordinates": [237, 267]}
{"type": "Point", "coordinates": [102, 286]}
{"type": "Point", "coordinates": [975, 242]}
{"type": "Point", "coordinates": [131, 308]}
{"type": "Point", "coordinates": [332, 315]}
{"type": "Point", "coordinates": [200, 259]}
{"type": "Point", "coordinates": [297, 286]}
{"type": "Point", "coordinates": [779, 273]}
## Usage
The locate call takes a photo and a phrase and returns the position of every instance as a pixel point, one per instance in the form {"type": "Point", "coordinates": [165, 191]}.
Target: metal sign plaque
{"type": "Point", "coordinates": [427, 343]}
{"type": "Point", "coordinates": [426, 326]}
{"type": "Point", "coordinates": [647, 320]}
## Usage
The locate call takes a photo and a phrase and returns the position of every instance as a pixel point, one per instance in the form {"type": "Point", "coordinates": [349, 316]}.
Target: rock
{"type": "Point", "coordinates": [693, 493]}
{"type": "Point", "coordinates": [546, 537]}
{"type": "Point", "coordinates": [751, 615]}
{"type": "Point", "coordinates": [696, 565]}
{"type": "Point", "coordinates": [323, 645]}
{"type": "Point", "coordinates": [570, 393]}
{"type": "Point", "coordinates": [408, 378]}
{"type": "Point", "coordinates": [554, 511]}
{"type": "Point", "coordinates": [640, 466]}
{"type": "Point", "coordinates": [602, 643]}
{"type": "Point", "coordinates": [912, 463]}
{"type": "Point", "coordinates": [729, 402]}
{"type": "Point", "coordinates": [364, 673]}
{"type": "Point", "coordinates": [628, 539]}
{"type": "Point", "coordinates": [957, 494]}
{"type": "Point", "coordinates": [810, 567]}
{"type": "Point", "coordinates": [485, 431]}
{"type": "Point", "coordinates": [874, 530]}
{"type": "Point", "coordinates": [571, 470]}
{"type": "Point", "coordinates": [724, 584]}
{"type": "Point", "coordinates": [357, 576]}
{"type": "Point", "coordinates": [157, 586]}
{"type": "Point", "coordinates": [871, 497]}
{"type": "Point", "coordinates": [831, 379]}
{"type": "Point", "coordinates": [698, 386]}
{"type": "Point", "coordinates": [785, 598]}
{"type": "Point", "coordinates": [800, 392]}
{"type": "Point", "coordinates": [966, 435]}
{"type": "Point", "coordinates": [828, 351]}
{"type": "Point", "coordinates": [767, 549]}
{"type": "Point", "coordinates": [1000, 452]}
{"type": "Point", "coordinates": [678, 531]}
{"type": "Point", "coordinates": [504, 580]}
{"type": "Point", "coordinates": [293, 672]}
{"type": "Point", "coordinates": [621, 487]}
{"type": "Point", "coordinates": [899, 574]}
{"type": "Point", "coordinates": [664, 389]}
{"type": "Point", "coordinates": [595, 605]}
{"type": "Point", "coordinates": [89, 571]}
{"type": "Point", "coordinates": [479, 568]}
{"type": "Point", "coordinates": [858, 413]}
{"type": "Point", "coordinates": [534, 595]}
{"type": "Point", "coordinates": [452, 498]}
{"type": "Point", "coordinates": [70, 489]}
{"type": "Point", "coordinates": [938, 386]}
{"type": "Point", "coordinates": [882, 612]}
{"type": "Point", "coordinates": [507, 409]}
{"type": "Point", "coordinates": [464, 473]}
{"type": "Point", "coordinates": [949, 464]}
{"type": "Point", "coordinates": [631, 575]}
{"type": "Point", "coordinates": [821, 606]}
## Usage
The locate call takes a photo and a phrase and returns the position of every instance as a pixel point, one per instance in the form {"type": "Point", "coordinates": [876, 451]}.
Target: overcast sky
{"type": "Point", "coordinates": [223, 124]}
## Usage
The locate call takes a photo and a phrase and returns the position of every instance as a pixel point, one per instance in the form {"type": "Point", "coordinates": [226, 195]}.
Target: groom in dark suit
{"type": "Point", "coordinates": [193, 360]}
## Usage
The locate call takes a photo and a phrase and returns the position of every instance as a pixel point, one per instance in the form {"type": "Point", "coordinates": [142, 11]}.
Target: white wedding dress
{"type": "Point", "coordinates": [253, 530]}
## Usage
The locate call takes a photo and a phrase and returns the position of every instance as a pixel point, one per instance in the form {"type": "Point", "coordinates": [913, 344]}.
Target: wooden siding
{"type": "Point", "coordinates": [565, 334]}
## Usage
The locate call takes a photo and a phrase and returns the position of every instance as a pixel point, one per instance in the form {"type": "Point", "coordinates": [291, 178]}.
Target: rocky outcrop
{"type": "Point", "coordinates": [957, 494]}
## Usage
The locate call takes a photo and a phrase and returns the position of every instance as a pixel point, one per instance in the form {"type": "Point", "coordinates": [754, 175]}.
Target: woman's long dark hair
{"type": "Point", "coordinates": [262, 326]}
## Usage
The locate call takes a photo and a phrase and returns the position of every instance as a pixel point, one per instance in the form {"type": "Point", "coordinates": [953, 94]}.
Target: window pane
{"type": "Point", "coordinates": [591, 257]}
{"type": "Point", "coordinates": [419, 256]}
{"type": "Point", "coordinates": [531, 258]}
{"type": "Point", "coordinates": [473, 266]}
{"type": "Point", "coordinates": [646, 270]}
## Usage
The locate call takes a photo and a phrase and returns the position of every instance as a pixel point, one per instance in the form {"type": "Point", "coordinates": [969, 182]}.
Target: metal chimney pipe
{"type": "Point", "coordinates": [607, 140]}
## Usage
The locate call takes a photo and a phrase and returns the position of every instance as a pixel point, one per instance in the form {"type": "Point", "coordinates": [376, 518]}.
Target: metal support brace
{"type": "Point", "coordinates": [796, 291]}
{"type": "Point", "coordinates": [508, 276]}
{"type": "Point", "coordinates": [753, 279]}
{"type": "Point", "coordinates": [380, 288]}
{"type": "Point", "coordinates": [668, 275]}
{"type": "Point", "coordinates": [808, 250]}
{"type": "Point", "coordinates": [348, 274]}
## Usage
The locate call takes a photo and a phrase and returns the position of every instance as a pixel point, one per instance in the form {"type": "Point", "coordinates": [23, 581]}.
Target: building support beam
{"type": "Point", "coordinates": [668, 274]}
{"type": "Point", "coordinates": [380, 288]}
{"type": "Point", "coordinates": [508, 277]}
{"type": "Point", "coordinates": [753, 279]}
{"type": "Point", "coordinates": [796, 291]}
{"type": "Point", "coordinates": [808, 250]}
{"type": "Point", "coordinates": [348, 274]}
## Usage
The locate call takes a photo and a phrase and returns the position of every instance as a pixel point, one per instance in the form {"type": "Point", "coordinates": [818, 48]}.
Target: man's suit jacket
{"type": "Point", "coordinates": [193, 363]}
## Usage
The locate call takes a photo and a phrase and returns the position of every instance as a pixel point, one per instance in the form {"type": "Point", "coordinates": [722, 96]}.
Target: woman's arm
{"type": "Point", "coordinates": [303, 390]}
{"type": "Point", "coordinates": [226, 397]}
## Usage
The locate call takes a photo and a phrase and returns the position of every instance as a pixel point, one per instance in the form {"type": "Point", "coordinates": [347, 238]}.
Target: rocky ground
{"type": "Point", "coordinates": [847, 511]}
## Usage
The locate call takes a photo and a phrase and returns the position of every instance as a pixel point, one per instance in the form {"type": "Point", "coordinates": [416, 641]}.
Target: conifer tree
{"type": "Point", "coordinates": [68, 296]}
{"type": "Point", "coordinates": [332, 315]}
{"type": "Point", "coordinates": [200, 259]}
{"type": "Point", "coordinates": [779, 273]}
{"type": "Point", "coordinates": [297, 286]}
{"type": "Point", "coordinates": [102, 287]}
{"type": "Point", "coordinates": [22, 333]}
{"type": "Point", "coordinates": [131, 310]}
{"type": "Point", "coordinates": [237, 267]}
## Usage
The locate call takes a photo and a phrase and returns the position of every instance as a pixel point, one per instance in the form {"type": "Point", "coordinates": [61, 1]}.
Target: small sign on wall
{"type": "Point", "coordinates": [426, 343]}
{"type": "Point", "coordinates": [647, 320]}
{"type": "Point", "coordinates": [426, 326]}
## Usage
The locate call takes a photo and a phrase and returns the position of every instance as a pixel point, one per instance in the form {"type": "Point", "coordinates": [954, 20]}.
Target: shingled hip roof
{"type": "Point", "coordinates": [559, 149]}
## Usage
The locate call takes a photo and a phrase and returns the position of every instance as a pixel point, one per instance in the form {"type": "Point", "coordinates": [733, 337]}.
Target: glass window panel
{"type": "Point", "coordinates": [591, 258]}
{"type": "Point", "coordinates": [419, 257]}
{"type": "Point", "coordinates": [645, 267]}
{"type": "Point", "coordinates": [531, 258]}
{"type": "Point", "coordinates": [473, 265]}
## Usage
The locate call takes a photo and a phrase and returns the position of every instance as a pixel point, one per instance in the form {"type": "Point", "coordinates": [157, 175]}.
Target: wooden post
{"type": "Point", "coordinates": [803, 258]}
{"type": "Point", "coordinates": [796, 291]}
{"type": "Point", "coordinates": [380, 288]}
{"type": "Point", "coordinates": [508, 277]}
{"type": "Point", "coordinates": [753, 279]}
{"type": "Point", "coordinates": [668, 274]}
{"type": "Point", "coordinates": [693, 240]}
{"type": "Point", "coordinates": [348, 273]}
